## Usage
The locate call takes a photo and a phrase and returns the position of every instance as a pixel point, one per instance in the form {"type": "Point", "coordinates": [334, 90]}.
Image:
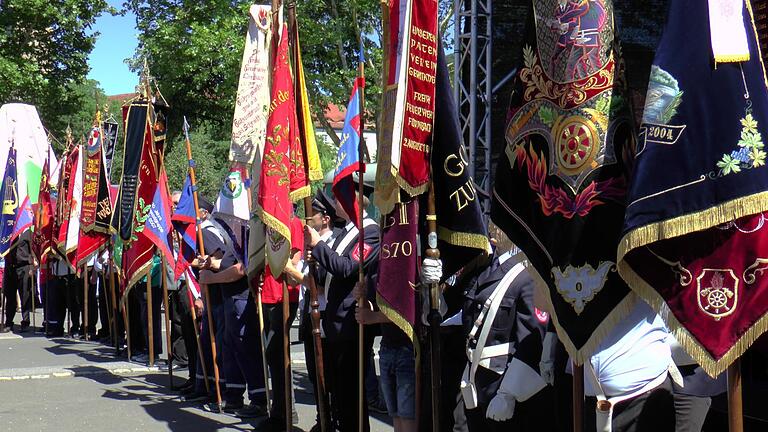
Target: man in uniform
{"type": "Point", "coordinates": [19, 267]}
{"type": "Point", "coordinates": [241, 343]}
{"type": "Point", "coordinates": [501, 386]}
{"type": "Point", "coordinates": [338, 272]}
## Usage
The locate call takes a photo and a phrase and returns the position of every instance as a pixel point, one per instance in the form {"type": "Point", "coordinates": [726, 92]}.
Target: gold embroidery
{"type": "Point", "coordinates": [718, 299]}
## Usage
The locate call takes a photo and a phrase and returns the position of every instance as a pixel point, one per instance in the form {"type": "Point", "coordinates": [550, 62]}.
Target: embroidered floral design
{"type": "Point", "coordinates": [275, 165]}
{"type": "Point", "coordinates": [555, 200]}
{"type": "Point", "coordinates": [751, 153]}
{"type": "Point", "coordinates": [140, 218]}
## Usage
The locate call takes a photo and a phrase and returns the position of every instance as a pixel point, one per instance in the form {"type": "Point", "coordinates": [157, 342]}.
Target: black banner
{"type": "Point", "coordinates": [135, 116]}
{"type": "Point", "coordinates": [108, 144]}
{"type": "Point", "coordinates": [462, 234]}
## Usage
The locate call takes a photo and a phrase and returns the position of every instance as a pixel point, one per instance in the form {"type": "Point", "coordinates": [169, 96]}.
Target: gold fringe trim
{"type": "Point", "coordinates": [579, 356]}
{"type": "Point", "coordinates": [274, 223]}
{"type": "Point", "coordinates": [399, 321]}
{"type": "Point", "coordinates": [681, 225]}
{"type": "Point", "coordinates": [141, 272]}
{"type": "Point", "coordinates": [732, 58]}
{"type": "Point", "coordinates": [757, 42]}
{"type": "Point", "coordinates": [465, 239]}
{"type": "Point", "coordinates": [300, 193]}
{"type": "Point", "coordinates": [410, 190]}
{"type": "Point", "coordinates": [692, 346]}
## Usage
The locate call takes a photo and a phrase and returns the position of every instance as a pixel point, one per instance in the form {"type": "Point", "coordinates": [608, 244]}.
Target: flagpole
{"type": "Point", "coordinates": [85, 301]}
{"type": "Point", "coordinates": [434, 311]}
{"type": "Point", "coordinates": [263, 349]}
{"type": "Point", "coordinates": [169, 347]}
{"type": "Point", "coordinates": [362, 301]}
{"type": "Point", "coordinates": [199, 347]}
{"type": "Point", "coordinates": [34, 294]}
{"type": "Point", "coordinates": [287, 359]}
{"type": "Point", "coordinates": [150, 324]}
{"type": "Point", "coordinates": [735, 409]}
{"type": "Point", "coordinates": [113, 298]}
{"type": "Point", "coordinates": [201, 247]}
{"type": "Point", "coordinates": [127, 323]}
{"type": "Point", "coordinates": [578, 398]}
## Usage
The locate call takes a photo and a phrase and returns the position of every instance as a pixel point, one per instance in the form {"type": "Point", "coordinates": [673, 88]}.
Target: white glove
{"type": "Point", "coordinates": [431, 271]}
{"type": "Point", "coordinates": [501, 408]}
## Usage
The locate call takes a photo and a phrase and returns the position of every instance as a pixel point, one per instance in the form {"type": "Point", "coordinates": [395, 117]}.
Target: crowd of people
{"type": "Point", "coordinates": [502, 366]}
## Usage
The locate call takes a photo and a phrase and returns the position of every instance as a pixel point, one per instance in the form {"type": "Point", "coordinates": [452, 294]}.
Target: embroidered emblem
{"type": "Point", "coordinates": [661, 102]}
{"type": "Point", "coordinates": [542, 316]}
{"type": "Point", "coordinates": [140, 218]}
{"type": "Point", "coordinates": [579, 285]}
{"type": "Point", "coordinates": [717, 292]}
{"type": "Point", "coordinates": [233, 186]}
{"type": "Point", "coordinates": [555, 200]}
{"type": "Point", "coordinates": [366, 251]}
{"type": "Point", "coordinates": [276, 240]}
{"type": "Point", "coordinates": [750, 153]}
{"type": "Point", "coordinates": [577, 25]}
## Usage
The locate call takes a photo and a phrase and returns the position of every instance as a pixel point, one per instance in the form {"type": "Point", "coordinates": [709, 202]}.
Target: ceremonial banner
{"type": "Point", "coordinates": [20, 124]}
{"type": "Point", "coordinates": [348, 158]}
{"type": "Point", "coordinates": [283, 176]}
{"type": "Point", "coordinates": [314, 171]}
{"type": "Point", "coordinates": [396, 293]}
{"type": "Point", "coordinates": [158, 224]}
{"type": "Point", "coordinates": [695, 242]}
{"type": "Point", "coordinates": [410, 63]}
{"type": "Point", "coordinates": [109, 130]}
{"type": "Point", "coordinates": [560, 185]}
{"type": "Point", "coordinates": [184, 221]}
{"type": "Point", "coordinates": [44, 216]}
{"type": "Point", "coordinates": [461, 231]}
{"type": "Point", "coordinates": [252, 103]}
{"type": "Point", "coordinates": [136, 118]}
{"type": "Point", "coordinates": [96, 212]}
{"type": "Point", "coordinates": [138, 250]}
{"type": "Point", "coordinates": [63, 202]}
{"type": "Point", "coordinates": [232, 209]}
{"type": "Point", "coordinates": [10, 196]}
{"type": "Point", "coordinates": [25, 219]}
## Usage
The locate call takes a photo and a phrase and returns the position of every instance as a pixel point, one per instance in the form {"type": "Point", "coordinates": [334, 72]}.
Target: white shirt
{"type": "Point", "coordinates": [326, 237]}
{"type": "Point", "coordinates": [633, 354]}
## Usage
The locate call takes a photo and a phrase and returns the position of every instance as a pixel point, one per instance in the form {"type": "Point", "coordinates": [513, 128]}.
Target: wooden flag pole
{"type": "Point", "coordinates": [362, 301]}
{"type": "Point", "coordinates": [150, 324]}
{"type": "Point", "coordinates": [127, 322]}
{"type": "Point", "coordinates": [735, 408]}
{"type": "Point", "coordinates": [168, 345]}
{"type": "Point", "coordinates": [85, 301]}
{"type": "Point", "coordinates": [578, 398]}
{"type": "Point", "coordinates": [113, 300]}
{"type": "Point", "coordinates": [200, 357]}
{"type": "Point", "coordinates": [287, 359]}
{"type": "Point", "coordinates": [263, 339]}
{"type": "Point", "coordinates": [201, 247]}
{"type": "Point", "coordinates": [434, 311]}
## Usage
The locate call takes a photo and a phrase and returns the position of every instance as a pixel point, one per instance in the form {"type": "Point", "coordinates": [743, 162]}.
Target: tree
{"type": "Point", "coordinates": [194, 51]}
{"type": "Point", "coordinates": [44, 47]}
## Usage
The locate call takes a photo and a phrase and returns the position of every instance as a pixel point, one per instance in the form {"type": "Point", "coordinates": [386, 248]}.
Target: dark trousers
{"type": "Point", "coordinates": [533, 414]}
{"type": "Point", "coordinates": [187, 330]}
{"type": "Point", "coordinates": [653, 411]}
{"type": "Point", "coordinates": [243, 367]}
{"type": "Point", "coordinates": [17, 279]}
{"type": "Point", "coordinates": [76, 304]}
{"type": "Point", "coordinates": [105, 306]}
{"type": "Point", "coordinates": [175, 315]}
{"type": "Point", "coordinates": [58, 301]}
{"type": "Point", "coordinates": [273, 323]}
{"type": "Point", "coordinates": [157, 300]}
{"type": "Point", "coordinates": [341, 376]}
{"type": "Point", "coordinates": [691, 412]}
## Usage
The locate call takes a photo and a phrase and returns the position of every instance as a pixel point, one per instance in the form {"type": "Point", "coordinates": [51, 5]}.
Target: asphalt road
{"type": "Point", "coordinates": [66, 385]}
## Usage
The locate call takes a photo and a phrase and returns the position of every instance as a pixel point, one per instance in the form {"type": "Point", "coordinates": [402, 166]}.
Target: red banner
{"type": "Point", "coordinates": [91, 172]}
{"type": "Point", "coordinates": [409, 101]}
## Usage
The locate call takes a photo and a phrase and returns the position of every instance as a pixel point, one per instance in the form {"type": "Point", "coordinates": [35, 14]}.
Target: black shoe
{"type": "Point", "coordinates": [6, 329]}
{"type": "Point", "coordinates": [187, 391]}
{"type": "Point", "coordinates": [226, 407]}
{"type": "Point", "coordinates": [24, 326]}
{"type": "Point", "coordinates": [252, 411]}
{"type": "Point", "coordinates": [378, 406]}
{"type": "Point", "coordinates": [195, 397]}
{"type": "Point", "coordinates": [74, 335]}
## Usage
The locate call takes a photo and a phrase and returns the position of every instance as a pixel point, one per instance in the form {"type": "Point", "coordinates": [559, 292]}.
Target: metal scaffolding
{"type": "Point", "coordinates": [473, 86]}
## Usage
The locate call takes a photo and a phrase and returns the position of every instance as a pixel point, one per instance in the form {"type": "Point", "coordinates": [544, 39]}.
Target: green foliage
{"type": "Point", "coordinates": [210, 156]}
{"type": "Point", "coordinates": [44, 48]}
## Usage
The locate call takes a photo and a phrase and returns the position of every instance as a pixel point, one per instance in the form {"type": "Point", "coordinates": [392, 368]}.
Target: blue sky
{"type": "Point", "coordinates": [116, 43]}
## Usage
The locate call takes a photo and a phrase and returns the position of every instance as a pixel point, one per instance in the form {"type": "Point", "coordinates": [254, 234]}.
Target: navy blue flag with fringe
{"type": "Point", "coordinates": [695, 242]}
